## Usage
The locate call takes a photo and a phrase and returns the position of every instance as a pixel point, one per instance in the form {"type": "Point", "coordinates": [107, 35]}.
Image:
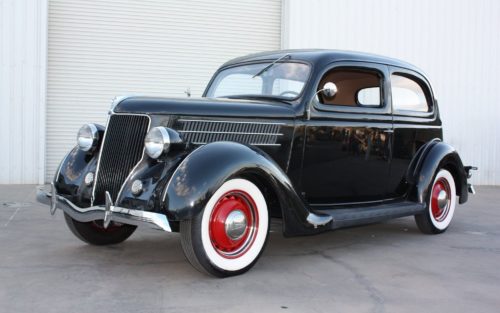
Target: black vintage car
{"type": "Point", "coordinates": [319, 139]}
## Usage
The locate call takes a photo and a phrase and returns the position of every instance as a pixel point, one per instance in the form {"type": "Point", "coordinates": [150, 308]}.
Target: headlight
{"type": "Point", "coordinates": [87, 137]}
{"type": "Point", "coordinates": [157, 142]}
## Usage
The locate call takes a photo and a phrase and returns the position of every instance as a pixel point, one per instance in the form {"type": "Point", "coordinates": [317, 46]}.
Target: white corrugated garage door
{"type": "Point", "coordinates": [100, 49]}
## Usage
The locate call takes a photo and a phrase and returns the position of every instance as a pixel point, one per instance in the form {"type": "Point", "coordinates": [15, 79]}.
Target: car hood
{"type": "Point", "coordinates": [205, 107]}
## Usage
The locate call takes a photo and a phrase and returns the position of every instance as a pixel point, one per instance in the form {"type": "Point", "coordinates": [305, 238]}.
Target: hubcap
{"type": "Point", "coordinates": [236, 224]}
{"type": "Point", "coordinates": [440, 199]}
{"type": "Point", "coordinates": [233, 224]}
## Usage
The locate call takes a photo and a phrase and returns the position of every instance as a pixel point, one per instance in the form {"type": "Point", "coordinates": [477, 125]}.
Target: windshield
{"type": "Point", "coordinates": [280, 80]}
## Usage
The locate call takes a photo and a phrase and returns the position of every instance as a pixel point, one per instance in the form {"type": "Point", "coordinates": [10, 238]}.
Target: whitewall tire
{"type": "Point", "coordinates": [441, 203]}
{"type": "Point", "coordinates": [229, 235]}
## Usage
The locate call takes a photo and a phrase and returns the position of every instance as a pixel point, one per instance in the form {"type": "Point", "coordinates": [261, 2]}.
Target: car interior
{"type": "Point", "coordinates": [355, 87]}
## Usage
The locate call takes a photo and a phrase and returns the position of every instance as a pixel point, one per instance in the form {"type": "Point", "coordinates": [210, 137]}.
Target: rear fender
{"type": "Point", "coordinates": [432, 157]}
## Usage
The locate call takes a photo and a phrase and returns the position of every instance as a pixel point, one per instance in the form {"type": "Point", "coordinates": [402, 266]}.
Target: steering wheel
{"type": "Point", "coordinates": [293, 93]}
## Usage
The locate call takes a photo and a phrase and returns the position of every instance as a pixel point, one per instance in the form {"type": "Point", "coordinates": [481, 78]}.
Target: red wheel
{"type": "Point", "coordinates": [440, 199]}
{"type": "Point", "coordinates": [229, 235]}
{"type": "Point", "coordinates": [441, 204]}
{"type": "Point", "coordinates": [234, 224]}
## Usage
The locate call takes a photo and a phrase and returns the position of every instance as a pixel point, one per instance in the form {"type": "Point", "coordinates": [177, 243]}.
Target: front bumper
{"type": "Point", "coordinates": [106, 213]}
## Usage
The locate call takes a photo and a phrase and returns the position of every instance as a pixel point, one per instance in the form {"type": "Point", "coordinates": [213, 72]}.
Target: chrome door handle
{"type": "Point", "coordinates": [389, 131]}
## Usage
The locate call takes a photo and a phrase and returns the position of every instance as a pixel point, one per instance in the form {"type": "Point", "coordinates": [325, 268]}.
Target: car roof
{"type": "Point", "coordinates": [322, 56]}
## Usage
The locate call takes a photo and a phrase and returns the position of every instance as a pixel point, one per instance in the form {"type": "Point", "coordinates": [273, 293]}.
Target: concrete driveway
{"type": "Point", "coordinates": [388, 267]}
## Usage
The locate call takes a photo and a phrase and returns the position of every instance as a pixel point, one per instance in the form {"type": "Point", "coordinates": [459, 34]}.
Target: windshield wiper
{"type": "Point", "coordinates": [265, 69]}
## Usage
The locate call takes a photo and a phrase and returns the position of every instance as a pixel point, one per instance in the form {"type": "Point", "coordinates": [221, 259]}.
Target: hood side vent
{"type": "Point", "coordinates": [200, 132]}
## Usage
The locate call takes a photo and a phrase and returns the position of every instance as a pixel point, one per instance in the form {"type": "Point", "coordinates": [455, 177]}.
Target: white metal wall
{"type": "Point", "coordinates": [100, 49]}
{"type": "Point", "coordinates": [456, 42]}
{"type": "Point", "coordinates": [23, 38]}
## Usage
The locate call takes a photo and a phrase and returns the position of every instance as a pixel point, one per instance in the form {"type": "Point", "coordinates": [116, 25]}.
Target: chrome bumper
{"type": "Point", "coordinates": [107, 213]}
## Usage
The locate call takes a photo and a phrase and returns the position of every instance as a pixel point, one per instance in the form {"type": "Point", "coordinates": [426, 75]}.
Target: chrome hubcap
{"type": "Point", "coordinates": [235, 224]}
{"type": "Point", "coordinates": [442, 199]}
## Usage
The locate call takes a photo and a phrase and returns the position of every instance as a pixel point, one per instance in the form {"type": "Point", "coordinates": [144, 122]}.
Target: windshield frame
{"type": "Point", "coordinates": [266, 61]}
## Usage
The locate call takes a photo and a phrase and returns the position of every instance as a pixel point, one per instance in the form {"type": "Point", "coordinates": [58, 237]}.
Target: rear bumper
{"type": "Point", "coordinates": [107, 213]}
{"type": "Point", "coordinates": [468, 169]}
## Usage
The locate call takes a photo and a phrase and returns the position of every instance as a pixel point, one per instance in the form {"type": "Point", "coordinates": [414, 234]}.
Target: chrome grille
{"type": "Point", "coordinates": [201, 132]}
{"type": "Point", "coordinates": [121, 150]}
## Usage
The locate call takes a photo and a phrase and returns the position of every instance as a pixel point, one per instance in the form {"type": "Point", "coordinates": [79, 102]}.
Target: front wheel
{"type": "Point", "coordinates": [95, 234]}
{"type": "Point", "coordinates": [441, 203]}
{"type": "Point", "coordinates": [229, 235]}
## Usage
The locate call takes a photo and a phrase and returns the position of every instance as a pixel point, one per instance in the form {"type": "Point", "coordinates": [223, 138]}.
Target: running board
{"type": "Point", "coordinates": [343, 217]}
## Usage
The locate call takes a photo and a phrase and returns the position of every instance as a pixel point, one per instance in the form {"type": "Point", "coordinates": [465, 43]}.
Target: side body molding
{"type": "Point", "coordinates": [203, 171]}
{"type": "Point", "coordinates": [432, 156]}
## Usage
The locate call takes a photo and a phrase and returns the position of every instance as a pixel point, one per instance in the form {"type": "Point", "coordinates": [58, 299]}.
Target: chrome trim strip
{"type": "Point", "coordinates": [354, 203]}
{"type": "Point", "coordinates": [222, 132]}
{"type": "Point", "coordinates": [111, 213]}
{"type": "Point", "coordinates": [92, 198]}
{"type": "Point", "coordinates": [140, 161]}
{"type": "Point", "coordinates": [234, 122]}
{"type": "Point", "coordinates": [251, 144]}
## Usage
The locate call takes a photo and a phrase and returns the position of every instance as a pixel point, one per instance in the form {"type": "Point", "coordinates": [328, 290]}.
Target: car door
{"type": "Point", "coordinates": [415, 119]}
{"type": "Point", "coordinates": [348, 137]}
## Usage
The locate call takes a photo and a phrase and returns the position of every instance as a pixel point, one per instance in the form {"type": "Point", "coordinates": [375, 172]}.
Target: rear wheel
{"type": "Point", "coordinates": [441, 204]}
{"type": "Point", "coordinates": [95, 234]}
{"type": "Point", "coordinates": [228, 236]}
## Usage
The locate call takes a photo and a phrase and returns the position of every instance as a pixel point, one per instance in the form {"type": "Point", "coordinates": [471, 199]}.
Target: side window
{"type": "Point", "coordinates": [369, 96]}
{"type": "Point", "coordinates": [355, 87]}
{"type": "Point", "coordinates": [408, 95]}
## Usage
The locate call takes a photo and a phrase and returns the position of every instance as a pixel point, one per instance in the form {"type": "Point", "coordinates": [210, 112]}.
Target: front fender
{"type": "Point", "coordinates": [70, 174]}
{"type": "Point", "coordinates": [69, 177]}
{"type": "Point", "coordinates": [203, 171]}
{"type": "Point", "coordinates": [437, 155]}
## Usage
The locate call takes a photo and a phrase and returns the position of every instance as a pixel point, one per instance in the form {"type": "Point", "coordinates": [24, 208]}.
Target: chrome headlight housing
{"type": "Point", "coordinates": [157, 142]}
{"type": "Point", "coordinates": [87, 137]}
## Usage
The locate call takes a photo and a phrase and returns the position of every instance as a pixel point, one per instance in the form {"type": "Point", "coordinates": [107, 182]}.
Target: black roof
{"type": "Point", "coordinates": [322, 56]}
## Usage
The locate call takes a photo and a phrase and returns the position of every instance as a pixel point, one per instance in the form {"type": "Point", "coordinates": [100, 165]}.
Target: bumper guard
{"type": "Point", "coordinates": [107, 213]}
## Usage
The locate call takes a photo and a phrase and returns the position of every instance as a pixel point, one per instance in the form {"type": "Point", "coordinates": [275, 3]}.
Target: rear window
{"type": "Point", "coordinates": [408, 94]}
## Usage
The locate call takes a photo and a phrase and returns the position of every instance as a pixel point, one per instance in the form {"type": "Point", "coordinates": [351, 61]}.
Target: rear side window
{"type": "Point", "coordinates": [356, 87]}
{"type": "Point", "coordinates": [408, 95]}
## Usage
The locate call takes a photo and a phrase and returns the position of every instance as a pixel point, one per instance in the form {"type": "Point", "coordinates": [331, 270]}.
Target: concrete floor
{"type": "Point", "coordinates": [389, 267]}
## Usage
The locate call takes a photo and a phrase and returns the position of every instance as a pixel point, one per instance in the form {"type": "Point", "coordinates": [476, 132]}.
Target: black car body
{"type": "Point", "coordinates": [321, 157]}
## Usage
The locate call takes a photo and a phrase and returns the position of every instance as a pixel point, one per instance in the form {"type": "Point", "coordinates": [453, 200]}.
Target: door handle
{"type": "Point", "coordinates": [389, 131]}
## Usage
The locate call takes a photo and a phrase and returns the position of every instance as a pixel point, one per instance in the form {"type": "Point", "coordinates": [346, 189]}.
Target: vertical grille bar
{"type": "Point", "coordinates": [121, 150]}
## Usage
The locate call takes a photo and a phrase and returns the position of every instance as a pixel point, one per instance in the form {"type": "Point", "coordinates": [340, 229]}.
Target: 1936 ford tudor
{"type": "Point", "coordinates": [319, 139]}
